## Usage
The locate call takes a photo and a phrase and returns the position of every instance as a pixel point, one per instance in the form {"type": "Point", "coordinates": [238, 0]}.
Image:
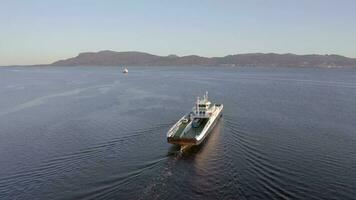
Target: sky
{"type": "Point", "coordinates": [43, 31]}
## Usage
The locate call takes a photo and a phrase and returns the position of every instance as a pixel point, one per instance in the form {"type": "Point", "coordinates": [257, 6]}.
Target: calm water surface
{"type": "Point", "coordinates": [95, 133]}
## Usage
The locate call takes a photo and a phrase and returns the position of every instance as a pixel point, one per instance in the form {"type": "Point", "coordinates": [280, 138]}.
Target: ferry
{"type": "Point", "coordinates": [195, 126]}
{"type": "Point", "coordinates": [125, 70]}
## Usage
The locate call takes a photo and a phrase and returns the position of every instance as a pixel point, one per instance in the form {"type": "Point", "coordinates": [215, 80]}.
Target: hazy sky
{"type": "Point", "coordinates": [42, 31]}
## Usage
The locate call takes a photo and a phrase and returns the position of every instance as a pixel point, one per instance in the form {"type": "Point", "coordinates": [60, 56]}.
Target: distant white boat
{"type": "Point", "coordinates": [125, 70]}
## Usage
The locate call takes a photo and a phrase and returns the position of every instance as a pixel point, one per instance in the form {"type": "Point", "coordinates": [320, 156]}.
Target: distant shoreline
{"type": "Point", "coordinates": [185, 66]}
{"type": "Point", "coordinates": [134, 58]}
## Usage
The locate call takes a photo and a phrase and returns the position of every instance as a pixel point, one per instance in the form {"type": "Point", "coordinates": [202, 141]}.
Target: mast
{"type": "Point", "coordinates": [197, 106]}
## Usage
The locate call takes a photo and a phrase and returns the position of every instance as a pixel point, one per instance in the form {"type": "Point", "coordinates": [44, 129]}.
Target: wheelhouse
{"type": "Point", "coordinates": [202, 108]}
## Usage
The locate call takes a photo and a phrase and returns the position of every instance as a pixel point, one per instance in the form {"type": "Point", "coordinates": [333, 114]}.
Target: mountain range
{"type": "Point", "coordinates": [134, 58]}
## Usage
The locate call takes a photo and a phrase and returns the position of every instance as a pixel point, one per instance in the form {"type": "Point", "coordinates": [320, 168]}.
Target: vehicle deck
{"type": "Point", "coordinates": [191, 133]}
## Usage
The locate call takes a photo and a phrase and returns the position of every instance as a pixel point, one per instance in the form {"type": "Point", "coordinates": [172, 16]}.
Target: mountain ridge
{"type": "Point", "coordinates": [136, 58]}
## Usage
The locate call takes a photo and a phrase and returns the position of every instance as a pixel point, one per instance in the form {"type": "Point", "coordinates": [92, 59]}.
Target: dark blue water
{"type": "Point", "coordinates": [95, 133]}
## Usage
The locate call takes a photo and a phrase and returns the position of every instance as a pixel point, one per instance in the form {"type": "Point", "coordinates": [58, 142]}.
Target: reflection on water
{"type": "Point", "coordinates": [209, 149]}
{"type": "Point", "coordinates": [93, 133]}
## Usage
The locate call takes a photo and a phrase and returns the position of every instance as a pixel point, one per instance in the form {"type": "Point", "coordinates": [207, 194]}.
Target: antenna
{"type": "Point", "coordinates": [197, 107]}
